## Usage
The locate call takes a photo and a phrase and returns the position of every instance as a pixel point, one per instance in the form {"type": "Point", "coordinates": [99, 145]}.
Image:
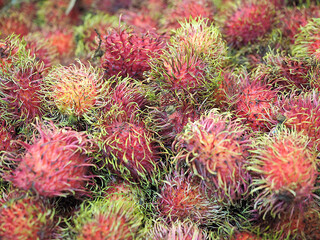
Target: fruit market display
{"type": "Point", "coordinates": [159, 119]}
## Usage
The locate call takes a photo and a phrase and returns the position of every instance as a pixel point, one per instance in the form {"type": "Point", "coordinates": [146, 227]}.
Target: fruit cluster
{"type": "Point", "coordinates": [159, 119]}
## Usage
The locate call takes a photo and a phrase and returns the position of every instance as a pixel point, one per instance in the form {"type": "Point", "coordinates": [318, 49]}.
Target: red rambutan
{"type": "Point", "coordinates": [248, 23]}
{"type": "Point", "coordinates": [56, 164]}
{"type": "Point", "coordinates": [127, 53]}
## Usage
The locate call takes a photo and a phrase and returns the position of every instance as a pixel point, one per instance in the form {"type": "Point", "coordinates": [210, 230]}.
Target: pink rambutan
{"type": "Point", "coordinates": [25, 217]}
{"type": "Point", "coordinates": [285, 171]}
{"type": "Point", "coordinates": [215, 148]}
{"type": "Point", "coordinates": [20, 89]}
{"type": "Point", "coordinates": [181, 197]}
{"type": "Point", "coordinates": [248, 23]}
{"type": "Point", "coordinates": [182, 10]}
{"type": "Point", "coordinates": [127, 53]}
{"type": "Point", "coordinates": [253, 103]}
{"type": "Point", "coordinates": [14, 23]}
{"type": "Point", "coordinates": [128, 148]}
{"type": "Point", "coordinates": [56, 164]}
{"type": "Point", "coordinates": [302, 113]}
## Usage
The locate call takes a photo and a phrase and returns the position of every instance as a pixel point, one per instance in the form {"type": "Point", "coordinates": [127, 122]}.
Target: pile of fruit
{"type": "Point", "coordinates": [159, 119]}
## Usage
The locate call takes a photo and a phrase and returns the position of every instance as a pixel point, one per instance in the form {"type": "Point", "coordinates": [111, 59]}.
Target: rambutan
{"type": "Point", "coordinates": [14, 23]}
{"type": "Point", "coordinates": [107, 219]}
{"type": "Point", "coordinates": [307, 42]}
{"type": "Point", "coordinates": [73, 91]}
{"type": "Point", "coordinates": [253, 104]}
{"type": "Point", "coordinates": [179, 230]}
{"type": "Point", "coordinates": [203, 38]}
{"type": "Point", "coordinates": [129, 149]}
{"type": "Point", "coordinates": [20, 89]}
{"type": "Point", "coordinates": [182, 10]}
{"type": "Point", "coordinates": [25, 217]}
{"type": "Point", "coordinates": [56, 164]}
{"type": "Point", "coordinates": [302, 113]}
{"type": "Point", "coordinates": [285, 171]}
{"type": "Point", "coordinates": [181, 198]}
{"type": "Point", "coordinates": [215, 148]}
{"type": "Point", "coordinates": [127, 54]}
{"type": "Point", "coordinates": [248, 23]}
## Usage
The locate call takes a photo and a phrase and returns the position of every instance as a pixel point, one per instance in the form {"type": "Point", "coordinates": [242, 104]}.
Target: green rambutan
{"type": "Point", "coordinates": [215, 148]}
{"type": "Point", "coordinates": [285, 173]}
{"type": "Point", "coordinates": [56, 164]}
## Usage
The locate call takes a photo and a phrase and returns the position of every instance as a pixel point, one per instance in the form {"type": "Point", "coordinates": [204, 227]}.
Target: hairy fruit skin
{"type": "Point", "coordinates": [249, 23]}
{"type": "Point", "coordinates": [74, 90]}
{"type": "Point", "coordinates": [25, 217]}
{"type": "Point", "coordinates": [181, 198]}
{"type": "Point", "coordinates": [285, 172]}
{"type": "Point", "coordinates": [127, 53]}
{"type": "Point", "coordinates": [129, 148]}
{"type": "Point", "coordinates": [215, 148]}
{"type": "Point", "coordinates": [56, 164]}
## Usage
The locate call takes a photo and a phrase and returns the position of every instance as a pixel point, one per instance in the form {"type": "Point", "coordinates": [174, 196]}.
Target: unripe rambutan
{"type": "Point", "coordinates": [182, 10]}
{"type": "Point", "coordinates": [302, 113]}
{"type": "Point", "coordinates": [181, 197]}
{"type": "Point", "coordinates": [285, 171]}
{"type": "Point", "coordinates": [20, 89]}
{"type": "Point", "coordinates": [203, 38]}
{"type": "Point", "coordinates": [127, 53]}
{"type": "Point", "coordinates": [56, 164]}
{"type": "Point", "coordinates": [128, 148]}
{"type": "Point", "coordinates": [25, 217]}
{"type": "Point", "coordinates": [107, 219]}
{"type": "Point", "coordinates": [215, 147]}
{"type": "Point", "coordinates": [73, 91]}
{"type": "Point", "coordinates": [179, 230]}
{"type": "Point", "coordinates": [307, 43]}
{"type": "Point", "coordinates": [254, 103]}
{"type": "Point", "coordinates": [248, 23]}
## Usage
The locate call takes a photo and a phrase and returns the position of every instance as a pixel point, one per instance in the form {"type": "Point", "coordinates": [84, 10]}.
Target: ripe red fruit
{"type": "Point", "coordinates": [56, 164]}
{"type": "Point", "coordinates": [248, 23]}
{"type": "Point", "coordinates": [129, 149]}
{"type": "Point", "coordinates": [285, 171]}
{"type": "Point", "coordinates": [253, 104]}
{"type": "Point", "coordinates": [25, 217]}
{"type": "Point", "coordinates": [128, 53]}
{"type": "Point", "coordinates": [302, 113]}
{"type": "Point", "coordinates": [14, 23]}
{"type": "Point", "coordinates": [181, 198]}
{"type": "Point", "coordinates": [215, 148]}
